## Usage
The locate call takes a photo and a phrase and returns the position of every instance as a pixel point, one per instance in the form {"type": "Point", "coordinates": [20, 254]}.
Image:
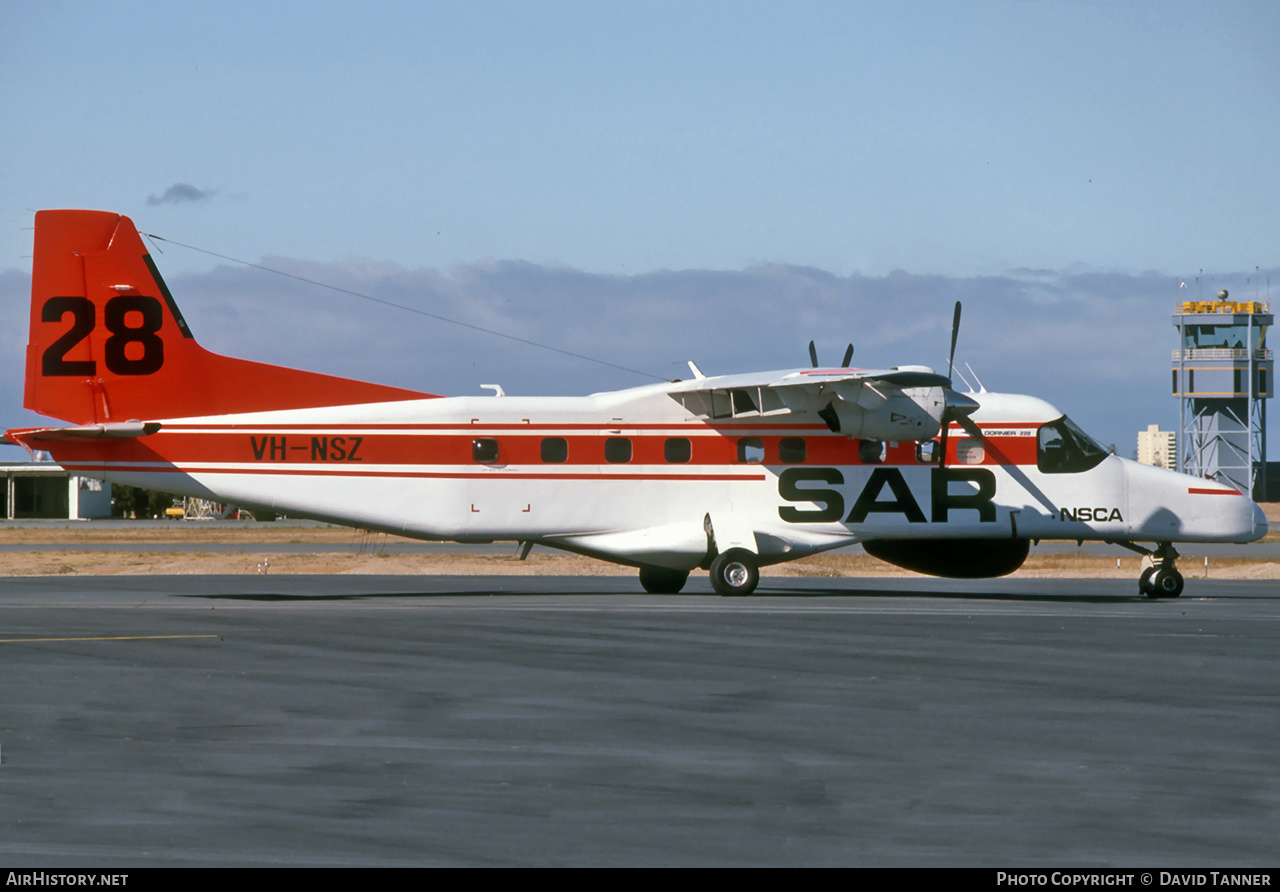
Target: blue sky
{"type": "Point", "coordinates": [961, 144]}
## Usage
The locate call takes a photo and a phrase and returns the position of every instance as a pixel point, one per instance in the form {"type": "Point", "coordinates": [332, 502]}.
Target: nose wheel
{"type": "Point", "coordinates": [1161, 579]}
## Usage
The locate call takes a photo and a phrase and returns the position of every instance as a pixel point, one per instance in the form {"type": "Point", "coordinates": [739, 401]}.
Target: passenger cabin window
{"type": "Point", "coordinates": [929, 452]}
{"type": "Point", "coordinates": [677, 450]}
{"type": "Point", "coordinates": [871, 452]}
{"type": "Point", "coordinates": [791, 450]}
{"type": "Point", "coordinates": [1063, 448]}
{"type": "Point", "coordinates": [751, 450]}
{"type": "Point", "coordinates": [484, 450]}
{"type": "Point", "coordinates": [617, 450]}
{"type": "Point", "coordinates": [555, 450]}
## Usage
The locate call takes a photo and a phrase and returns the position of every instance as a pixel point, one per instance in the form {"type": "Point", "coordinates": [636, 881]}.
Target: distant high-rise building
{"type": "Point", "coordinates": [1157, 447]}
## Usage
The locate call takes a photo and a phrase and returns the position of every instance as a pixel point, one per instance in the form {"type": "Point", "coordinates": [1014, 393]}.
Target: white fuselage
{"type": "Point", "coordinates": [632, 476]}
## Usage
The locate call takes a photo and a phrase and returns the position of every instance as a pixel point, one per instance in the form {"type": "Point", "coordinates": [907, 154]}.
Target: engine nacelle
{"type": "Point", "coordinates": [906, 415]}
{"type": "Point", "coordinates": [954, 558]}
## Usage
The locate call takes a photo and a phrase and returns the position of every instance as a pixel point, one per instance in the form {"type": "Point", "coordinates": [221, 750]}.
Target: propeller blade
{"type": "Point", "coordinates": [813, 354]}
{"type": "Point", "coordinates": [958, 408]}
{"type": "Point", "coordinates": [955, 333]}
{"type": "Point", "coordinates": [848, 357]}
{"type": "Point", "coordinates": [953, 408]}
{"type": "Point", "coordinates": [830, 417]}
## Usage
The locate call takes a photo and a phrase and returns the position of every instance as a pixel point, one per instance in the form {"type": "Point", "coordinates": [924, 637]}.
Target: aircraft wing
{"type": "Point", "coordinates": [872, 403]}
{"type": "Point", "coordinates": [916, 376]}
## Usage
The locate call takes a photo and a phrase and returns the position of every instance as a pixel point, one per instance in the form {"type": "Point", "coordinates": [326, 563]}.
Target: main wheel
{"type": "Point", "coordinates": [1144, 582]}
{"type": "Point", "coordinates": [1166, 584]}
{"type": "Point", "coordinates": [734, 573]}
{"type": "Point", "coordinates": [661, 581]}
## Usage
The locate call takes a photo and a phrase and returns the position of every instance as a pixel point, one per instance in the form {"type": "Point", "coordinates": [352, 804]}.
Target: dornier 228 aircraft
{"type": "Point", "coordinates": [725, 473]}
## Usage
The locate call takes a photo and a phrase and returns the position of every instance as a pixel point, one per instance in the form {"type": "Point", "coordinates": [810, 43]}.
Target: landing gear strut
{"type": "Point", "coordinates": [1161, 579]}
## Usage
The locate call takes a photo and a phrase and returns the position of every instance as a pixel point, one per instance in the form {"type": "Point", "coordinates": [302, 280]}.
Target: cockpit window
{"type": "Point", "coordinates": [1062, 448]}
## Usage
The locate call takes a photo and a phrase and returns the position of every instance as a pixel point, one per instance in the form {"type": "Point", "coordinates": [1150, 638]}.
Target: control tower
{"type": "Point", "coordinates": [1223, 375]}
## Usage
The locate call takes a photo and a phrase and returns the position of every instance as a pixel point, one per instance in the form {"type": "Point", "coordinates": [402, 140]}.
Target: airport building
{"type": "Point", "coordinates": [1158, 448]}
{"type": "Point", "coordinates": [1223, 375]}
{"type": "Point", "coordinates": [44, 491]}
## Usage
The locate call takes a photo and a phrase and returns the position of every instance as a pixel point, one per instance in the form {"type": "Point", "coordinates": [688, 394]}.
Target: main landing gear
{"type": "Point", "coordinates": [734, 573]}
{"type": "Point", "coordinates": [1161, 579]}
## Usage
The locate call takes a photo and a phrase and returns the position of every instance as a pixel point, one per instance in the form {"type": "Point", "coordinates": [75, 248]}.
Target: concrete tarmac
{"type": "Point", "coordinates": [246, 720]}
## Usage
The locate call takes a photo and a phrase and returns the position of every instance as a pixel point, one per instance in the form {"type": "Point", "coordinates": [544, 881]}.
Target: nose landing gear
{"type": "Point", "coordinates": [1161, 579]}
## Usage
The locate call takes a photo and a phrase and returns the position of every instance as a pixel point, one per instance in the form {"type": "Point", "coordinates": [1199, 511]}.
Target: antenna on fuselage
{"type": "Point", "coordinates": [981, 387]}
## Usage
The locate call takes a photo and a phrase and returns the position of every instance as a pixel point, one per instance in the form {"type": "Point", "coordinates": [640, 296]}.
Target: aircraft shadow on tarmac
{"type": "Point", "coordinates": [959, 596]}
{"type": "Point", "coordinates": [805, 592]}
{"type": "Point", "coordinates": [363, 596]}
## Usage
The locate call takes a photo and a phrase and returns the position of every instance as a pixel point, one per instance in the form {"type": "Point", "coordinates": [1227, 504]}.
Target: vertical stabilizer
{"type": "Point", "coordinates": [108, 343]}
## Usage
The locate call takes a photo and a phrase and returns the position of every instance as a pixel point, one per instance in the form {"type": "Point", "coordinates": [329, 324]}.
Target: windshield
{"type": "Point", "coordinates": [1062, 448]}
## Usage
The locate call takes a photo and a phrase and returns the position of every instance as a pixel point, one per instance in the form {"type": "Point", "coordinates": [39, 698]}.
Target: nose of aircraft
{"type": "Point", "coordinates": [1182, 508]}
{"type": "Point", "coordinates": [1239, 519]}
{"type": "Point", "coordinates": [1259, 522]}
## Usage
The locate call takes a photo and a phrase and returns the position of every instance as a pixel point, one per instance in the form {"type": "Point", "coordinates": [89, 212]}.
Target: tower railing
{"type": "Point", "coordinates": [1228, 307]}
{"type": "Point", "coordinates": [1223, 353]}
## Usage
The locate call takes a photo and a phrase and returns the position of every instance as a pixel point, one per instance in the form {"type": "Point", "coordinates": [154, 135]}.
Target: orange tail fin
{"type": "Point", "coordinates": [109, 344]}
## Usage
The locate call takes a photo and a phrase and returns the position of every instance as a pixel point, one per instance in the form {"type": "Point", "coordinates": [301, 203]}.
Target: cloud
{"type": "Point", "coordinates": [181, 193]}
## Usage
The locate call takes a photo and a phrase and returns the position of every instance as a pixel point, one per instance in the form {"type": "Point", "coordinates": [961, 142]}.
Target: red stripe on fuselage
{"type": "Point", "coordinates": [285, 447]}
{"type": "Point", "coordinates": [476, 425]}
{"type": "Point", "coordinates": [314, 471]}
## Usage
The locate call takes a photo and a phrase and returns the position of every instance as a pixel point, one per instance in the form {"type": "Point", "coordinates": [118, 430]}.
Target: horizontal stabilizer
{"type": "Point", "coordinates": [122, 430]}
